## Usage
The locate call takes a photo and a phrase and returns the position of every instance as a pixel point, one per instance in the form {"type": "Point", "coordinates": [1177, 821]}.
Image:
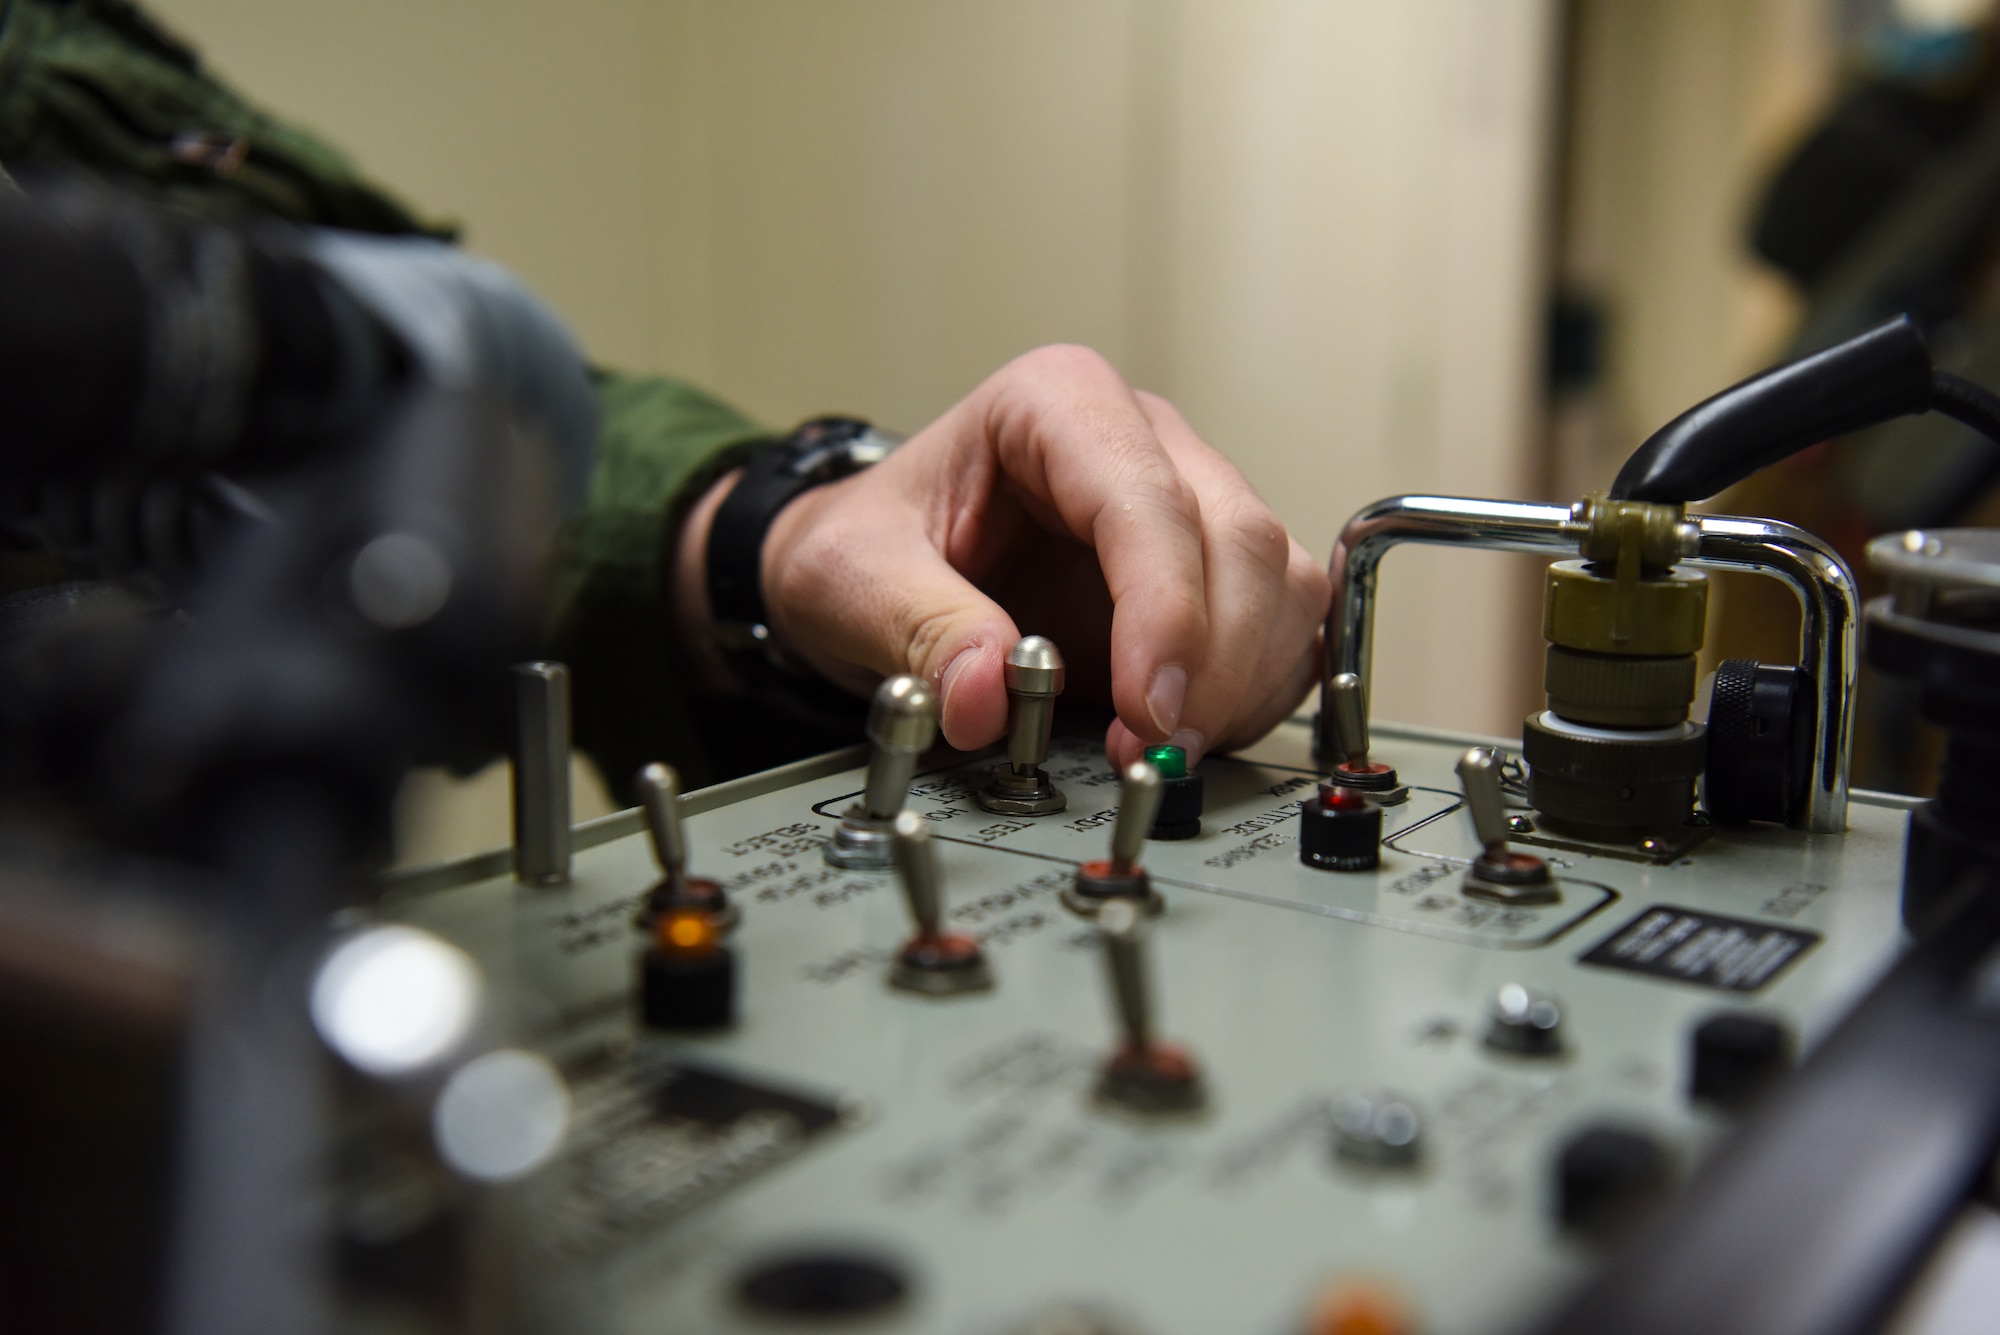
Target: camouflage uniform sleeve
{"type": "Point", "coordinates": [99, 86]}
{"type": "Point", "coordinates": [662, 443]}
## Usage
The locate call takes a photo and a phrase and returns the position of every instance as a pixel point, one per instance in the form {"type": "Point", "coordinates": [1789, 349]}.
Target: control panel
{"type": "Point", "coordinates": [1360, 1031]}
{"type": "Point", "coordinates": [969, 1088]}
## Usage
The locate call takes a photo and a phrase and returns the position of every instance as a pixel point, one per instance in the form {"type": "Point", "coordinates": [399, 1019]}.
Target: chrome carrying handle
{"type": "Point", "coordinates": [1829, 610]}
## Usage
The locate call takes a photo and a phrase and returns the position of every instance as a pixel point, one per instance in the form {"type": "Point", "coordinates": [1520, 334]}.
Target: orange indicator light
{"type": "Point", "coordinates": [1360, 1307]}
{"type": "Point", "coordinates": [687, 931]}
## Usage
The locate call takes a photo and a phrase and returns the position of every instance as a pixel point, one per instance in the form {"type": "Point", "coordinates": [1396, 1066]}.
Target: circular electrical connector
{"type": "Point", "coordinates": [1609, 780]}
{"type": "Point", "coordinates": [1759, 741]}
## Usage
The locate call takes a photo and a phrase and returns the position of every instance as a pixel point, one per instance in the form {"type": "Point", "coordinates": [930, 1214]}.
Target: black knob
{"type": "Point", "coordinates": [1760, 724]}
{"type": "Point", "coordinates": [687, 978]}
{"type": "Point", "coordinates": [1180, 809]}
{"type": "Point", "coordinates": [1340, 830]}
{"type": "Point", "coordinates": [1605, 1174]}
{"type": "Point", "coordinates": [1737, 1056]}
{"type": "Point", "coordinates": [822, 1285]}
{"type": "Point", "coordinates": [1179, 816]}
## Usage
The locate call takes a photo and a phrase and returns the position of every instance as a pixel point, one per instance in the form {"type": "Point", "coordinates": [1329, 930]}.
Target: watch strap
{"type": "Point", "coordinates": [816, 453]}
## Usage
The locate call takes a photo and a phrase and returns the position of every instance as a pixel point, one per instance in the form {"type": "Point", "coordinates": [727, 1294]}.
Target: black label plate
{"type": "Point", "coordinates": [1706, 949]}
{"type": "Point", "coordinates": [654, 1136]}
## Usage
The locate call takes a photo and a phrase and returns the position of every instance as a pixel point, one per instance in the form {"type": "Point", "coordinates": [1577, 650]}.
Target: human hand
{"type": "Point", "coordinates": [1054, 500]}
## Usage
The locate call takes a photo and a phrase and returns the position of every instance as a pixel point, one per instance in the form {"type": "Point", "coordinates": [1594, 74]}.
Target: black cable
{"type": "Point", "coordinates": [1962, 401]}
{"type": "Point", "coordinates": [1879, 374]}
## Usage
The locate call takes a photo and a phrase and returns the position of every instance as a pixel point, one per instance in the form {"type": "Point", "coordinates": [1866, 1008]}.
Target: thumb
{"type": "Point", "coordinates": [852, 590]}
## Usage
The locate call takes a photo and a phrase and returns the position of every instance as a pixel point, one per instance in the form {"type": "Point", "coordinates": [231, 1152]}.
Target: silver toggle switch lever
{"type": "Point", "coordinates": [541, 773]}
{"type": "Point", "coordinates": [1139, 790]}
{"type": "Point", "coordinates": [933, 961]}
{"type": "Point", "coordinates": [1144, 1075]}
{"type": "Point", "coordinates": [902, 724]}
{"type": "Point", "coordinates": [1498, 873]}
{"type": "Point", "coordinates": [1347, 697]}
{"type": "Point", "coordinates": [1120, 876]}
{"type": "Point", "coordinates": [1350, 718]}
{"type": "Point", "coordinates": [660, 799]}
{"type": "Point", "coordinates": [1020, 786]}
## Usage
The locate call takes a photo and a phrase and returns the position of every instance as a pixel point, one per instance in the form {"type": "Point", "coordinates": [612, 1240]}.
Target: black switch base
{"type": "Point", "coordinates": [1737, 1057]}
{"type": "Point", "coordinates": [1607, 1174]}
{"type": "Point", "coordinates": [688, 990]}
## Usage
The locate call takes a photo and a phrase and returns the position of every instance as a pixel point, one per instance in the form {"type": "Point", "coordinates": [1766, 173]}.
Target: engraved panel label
{"type": "Point", "coordinates": [1706, 949]}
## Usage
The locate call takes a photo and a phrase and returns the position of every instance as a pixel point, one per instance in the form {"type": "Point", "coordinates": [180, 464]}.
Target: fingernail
{"type": "Point", "coordinates": [949, 677]}
{"type": "Point", "coordinates": [1192, 742]}
{"type": "Point", "coordinates": [1165, 697]}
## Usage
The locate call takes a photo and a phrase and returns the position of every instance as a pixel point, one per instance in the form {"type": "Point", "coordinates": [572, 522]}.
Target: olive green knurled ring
{"type": "Point", "coordinates": [1666, 614]}
{"type": "Point", "coordinates": [1619, 690]}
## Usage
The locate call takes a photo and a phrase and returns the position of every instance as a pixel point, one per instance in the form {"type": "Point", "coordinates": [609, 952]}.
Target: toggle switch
{"type": "Point", "coordinates": [1145, 1075]}
{"type": "Point", "coordinates": [1499, 873]}
{"type": "Point", "coordinates": [1120, 876]}
{"type": "Point", "coordinates": [1019, 786]}
{"type": "Point", "coordinates": [902, 724]}
{"type": "Point", "coordinates": [933, 961]}
{"type": "Point", "coordinates": [1348, 698]}
{"type": "Point", "coordinates": [659, 798]}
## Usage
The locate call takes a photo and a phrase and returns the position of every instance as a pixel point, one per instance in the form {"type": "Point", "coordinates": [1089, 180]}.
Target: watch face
{"type": "Point", "coordinates": [838, 458]}
{"type": "Point", "coordinates": [871, 449]}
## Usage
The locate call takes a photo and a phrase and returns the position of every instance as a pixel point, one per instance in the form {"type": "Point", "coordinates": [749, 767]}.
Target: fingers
{"type": "Point", "coordinates": [1244, 549]}
{"type": "Point", "coordinates": [1266, 598]}
{"type": "Point", "coordinates": [1052, 466]}
{"type": "Point", "coordinates": [1075, 439]}
{"type": "Point", "coordinates": [1286, 673]}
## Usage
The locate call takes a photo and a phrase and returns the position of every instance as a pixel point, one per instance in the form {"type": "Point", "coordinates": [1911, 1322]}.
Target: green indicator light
{"type": "Point", "coordinates": [1170, 761]}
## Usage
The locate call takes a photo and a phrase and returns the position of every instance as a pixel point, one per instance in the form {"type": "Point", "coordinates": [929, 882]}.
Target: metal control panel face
{"type": "Point", "coordinates": [956, 1140]}
{"type": "Point", "coordinates": [1248, 847]}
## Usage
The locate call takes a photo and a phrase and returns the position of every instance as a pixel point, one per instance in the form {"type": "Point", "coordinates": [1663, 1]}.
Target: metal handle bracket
{"type": "Point", "coordinates": [1829, 608]}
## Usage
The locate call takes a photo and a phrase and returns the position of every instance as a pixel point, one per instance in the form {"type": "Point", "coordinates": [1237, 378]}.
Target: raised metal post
{"type": "Point", "coordinates": [541, 773]}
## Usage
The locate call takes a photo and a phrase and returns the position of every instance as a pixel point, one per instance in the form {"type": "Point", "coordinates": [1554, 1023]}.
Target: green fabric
{"type": "Point", "coordinates": [662, 443]}
{"type": "Point", "coordinates": [99, 86]}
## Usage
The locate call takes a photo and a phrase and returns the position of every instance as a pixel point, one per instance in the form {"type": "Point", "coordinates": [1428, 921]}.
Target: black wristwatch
{"type": "Point", "coordinates": [823, 450]}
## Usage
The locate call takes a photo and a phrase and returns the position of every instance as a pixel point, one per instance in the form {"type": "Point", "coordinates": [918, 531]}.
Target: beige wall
{"type": "Point", "coordinates": [1681, 108]}
{"type": "Point", "coordinates": [1315, 223]}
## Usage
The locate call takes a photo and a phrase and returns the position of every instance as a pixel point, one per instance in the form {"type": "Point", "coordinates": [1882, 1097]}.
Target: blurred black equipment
{"type": "Point", "coordinates": [1825, 1207]}
{"type": "Point", "coordinates": [354, 552]}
